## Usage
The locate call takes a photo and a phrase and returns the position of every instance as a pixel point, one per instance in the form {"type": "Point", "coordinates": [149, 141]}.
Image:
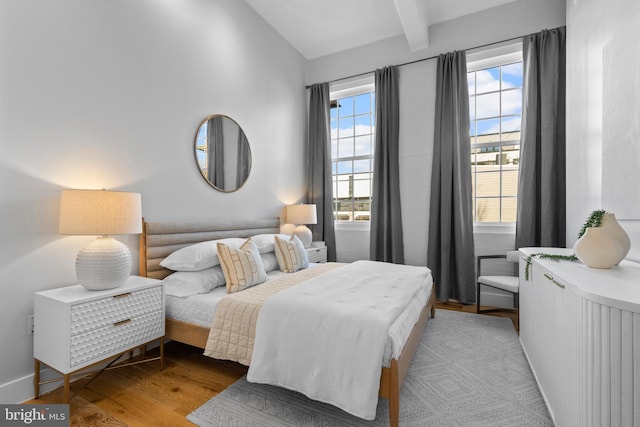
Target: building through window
{"type": "Point", "coordinates": [495, 108]}
{"type": "Point", "coordinates": [352, 147]}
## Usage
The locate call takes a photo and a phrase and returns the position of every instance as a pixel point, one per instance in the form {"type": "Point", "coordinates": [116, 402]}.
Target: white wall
{"type": "Point", "coordinates": [417, 110]}
{"type": "Point", "coordinates": [109, 94]}
{"type": "Point", "coordinates": [591, 24]}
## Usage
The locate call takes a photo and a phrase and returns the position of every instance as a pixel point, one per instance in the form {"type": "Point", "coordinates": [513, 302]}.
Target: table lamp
{"type": "Point", "coordinates": [301, 215]}
{"type": "Point", "coordinates": [105, 263]}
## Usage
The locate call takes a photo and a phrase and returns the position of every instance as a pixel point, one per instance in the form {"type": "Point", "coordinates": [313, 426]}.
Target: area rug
{"type": "Point", "coordinates": [468, 370]}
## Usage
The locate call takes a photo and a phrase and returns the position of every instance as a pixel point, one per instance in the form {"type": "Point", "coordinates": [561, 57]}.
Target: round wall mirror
{"type": "Point", "coordinates": [222, 153]}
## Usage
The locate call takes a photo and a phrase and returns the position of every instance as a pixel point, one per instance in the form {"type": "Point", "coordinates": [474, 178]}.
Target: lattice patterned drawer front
{"type": "Point", "coordinates": [121, 335]}
{"type": "Point", "coordinates": [317, 254]}
{"type": "Point", "coordinates": [102, 312]}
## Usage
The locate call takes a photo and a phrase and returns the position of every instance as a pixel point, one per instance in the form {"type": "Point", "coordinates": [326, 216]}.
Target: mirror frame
{"type": "Point", "coordinates": [195, 152]}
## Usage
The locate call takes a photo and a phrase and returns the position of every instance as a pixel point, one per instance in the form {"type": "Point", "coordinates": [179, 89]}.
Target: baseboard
{"type": "Point", "coordinates": [21, 389]}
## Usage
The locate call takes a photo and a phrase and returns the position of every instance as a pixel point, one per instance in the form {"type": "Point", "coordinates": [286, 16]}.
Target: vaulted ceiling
{"type": "Point", "coordinates": [322, 27]}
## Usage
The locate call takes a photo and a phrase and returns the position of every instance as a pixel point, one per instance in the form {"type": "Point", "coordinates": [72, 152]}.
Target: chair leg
{"type": "Point", "coordinates": [516, 301]}
{"type": "Point", "coordinates": [478, 297]}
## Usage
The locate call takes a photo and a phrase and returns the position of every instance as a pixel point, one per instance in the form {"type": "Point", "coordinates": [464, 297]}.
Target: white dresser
{"type": "Point", "coordinates": [76, 328]}
{"type": "Point", "coordinates": [580, 330]}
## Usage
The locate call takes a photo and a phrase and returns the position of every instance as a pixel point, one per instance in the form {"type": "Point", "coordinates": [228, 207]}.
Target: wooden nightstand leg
{"type": "Point", "coordinates": [161, 353]}
{"type": "Point", "coordinates": [67, 388]}
{"type": "Point", "coordinates": [36, 379]}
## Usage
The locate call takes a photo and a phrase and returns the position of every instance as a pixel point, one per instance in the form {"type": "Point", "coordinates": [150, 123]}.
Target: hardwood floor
{"type": "Point", "coordinates": [142, 395]}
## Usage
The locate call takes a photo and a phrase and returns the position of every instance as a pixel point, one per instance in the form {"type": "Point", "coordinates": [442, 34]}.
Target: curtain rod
{"type": "Point", "coordinates": [424, 59]}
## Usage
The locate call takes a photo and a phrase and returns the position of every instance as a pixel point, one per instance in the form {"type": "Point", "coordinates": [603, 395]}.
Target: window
{"type": "Point", "coordinates": [495, 107]}
{"type": "Point", "coordinates": [352, 142]}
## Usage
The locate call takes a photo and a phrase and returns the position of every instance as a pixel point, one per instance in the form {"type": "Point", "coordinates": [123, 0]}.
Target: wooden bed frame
{"type": "Point", "coordinates": [159, 239]}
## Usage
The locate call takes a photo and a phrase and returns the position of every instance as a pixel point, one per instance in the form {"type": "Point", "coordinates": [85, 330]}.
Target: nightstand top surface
{"type": "Point", "coordinates": [78, 292]}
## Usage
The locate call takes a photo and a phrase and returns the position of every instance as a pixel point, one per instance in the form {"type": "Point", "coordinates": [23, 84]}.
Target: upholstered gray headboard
{"type": "Point", "coordinates": [159, 239]}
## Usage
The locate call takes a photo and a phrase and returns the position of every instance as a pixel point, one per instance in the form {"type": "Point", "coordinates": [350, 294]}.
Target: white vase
{"type": "Point", "coordinates": [598, 248]}
{"type": "Point", "coordinates": [615, 229]}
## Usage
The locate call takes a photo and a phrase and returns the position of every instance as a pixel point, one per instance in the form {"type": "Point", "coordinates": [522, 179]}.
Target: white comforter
{"type": "Point", "coordinates": [325, 337]}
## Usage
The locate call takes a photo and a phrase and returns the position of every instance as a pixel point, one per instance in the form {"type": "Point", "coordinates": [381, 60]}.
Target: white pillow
{"type": "Point", "coordinates": [242, 267]}
{"type": "Point", "coordinates": [265, 242]}
{"type": "Point", "coordinates": [270, 262]}
{"type": "Point", "coordinates": [291, 254]}
{"type": "Point", "coordinates": [188, 283]}
{"type": "Point", "coordinates": [199, 256]}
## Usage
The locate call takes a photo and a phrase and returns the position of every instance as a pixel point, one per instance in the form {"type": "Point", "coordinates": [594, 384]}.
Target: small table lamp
{"type": "Point", "coordinates": [301, 215]}
{"type": "Point", "coordinates": [105, 263]}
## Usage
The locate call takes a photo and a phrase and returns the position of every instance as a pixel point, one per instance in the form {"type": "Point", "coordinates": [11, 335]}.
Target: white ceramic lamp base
{"type": "Point", "coordinates": [105, 263]}
{"type": "Point", "coordinates": [304, 234]}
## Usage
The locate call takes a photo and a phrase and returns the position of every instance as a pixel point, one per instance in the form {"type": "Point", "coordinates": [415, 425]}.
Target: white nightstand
{"type": "Point", "coordinates": [317, 253]}
{"type": "Point", "coordinates": [76, 328]}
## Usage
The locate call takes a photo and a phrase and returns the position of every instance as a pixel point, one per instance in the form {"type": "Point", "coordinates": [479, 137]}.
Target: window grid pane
{"type": "Point", "coordinates": [352, 145]}
{"type": "Point", "coordinates": [495, 113]}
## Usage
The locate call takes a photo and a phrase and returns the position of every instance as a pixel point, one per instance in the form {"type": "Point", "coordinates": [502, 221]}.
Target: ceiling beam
{"type": "Point", "coordinates": [415, 22]}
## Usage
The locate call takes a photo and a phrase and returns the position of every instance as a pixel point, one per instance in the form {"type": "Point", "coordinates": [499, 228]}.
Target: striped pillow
{"type": "Point", "coordinates": [242, 267]}
{"type": "Point", "coordinates": [291, 254]}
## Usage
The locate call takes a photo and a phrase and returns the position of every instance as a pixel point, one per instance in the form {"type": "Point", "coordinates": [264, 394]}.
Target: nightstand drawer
{"type": "Point", "coordinates": [123, 334]}
{"type": "Point", "coordinates": [317, 253]}
{"type": "Point", "coordinates": [91, 315]}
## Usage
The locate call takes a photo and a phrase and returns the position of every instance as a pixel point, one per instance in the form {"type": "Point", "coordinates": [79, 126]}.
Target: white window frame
{"type": "Point", "coordinates": [479, 59]}
{"type": "Point", "coordinates": [343, 89]}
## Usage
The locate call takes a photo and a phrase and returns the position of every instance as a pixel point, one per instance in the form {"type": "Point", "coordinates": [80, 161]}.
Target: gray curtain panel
{"type": "Point", "coordinates": [215, 150]}
{"type": "Point", "coordinates": [243, 160]}
{"type": "Point", "coordinates": [319, 178]}
{"type": "Point", "coordinates": [386, 240]}
{"type": "Point", "coordinates": [450, 253]}
{"type": "Point", "coordinates": [541, 215]}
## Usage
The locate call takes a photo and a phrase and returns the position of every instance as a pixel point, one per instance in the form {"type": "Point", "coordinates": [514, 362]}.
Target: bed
{"type": "Point", "coordinates": [160, 239]}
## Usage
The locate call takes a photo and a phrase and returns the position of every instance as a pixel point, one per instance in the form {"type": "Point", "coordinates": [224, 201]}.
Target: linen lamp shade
{"type": "Point", "coordinates": [302, 214]}
{"type": "Point", "coordinates": [104, 263]}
